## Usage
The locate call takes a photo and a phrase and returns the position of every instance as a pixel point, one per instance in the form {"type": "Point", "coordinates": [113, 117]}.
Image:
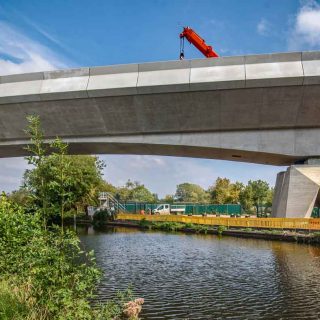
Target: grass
{"type": "Point", "coordinates": [15, 304]}
{"type": "Point", "coordinates": [172, 226]}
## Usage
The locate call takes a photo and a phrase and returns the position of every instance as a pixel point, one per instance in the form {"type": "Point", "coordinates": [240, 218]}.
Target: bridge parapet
{"type": "Point", "coordinates": [268, 70]}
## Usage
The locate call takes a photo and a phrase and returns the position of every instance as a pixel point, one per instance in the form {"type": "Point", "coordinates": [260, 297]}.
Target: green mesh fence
{"type": "Point", "coordinates": [191, 208]}
{"type": "Point", "coordinates": [315, 212]}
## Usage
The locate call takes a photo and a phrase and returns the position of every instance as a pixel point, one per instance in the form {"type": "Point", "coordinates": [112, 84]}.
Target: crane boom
{"type": "Point", "coordinates": [197, 41]}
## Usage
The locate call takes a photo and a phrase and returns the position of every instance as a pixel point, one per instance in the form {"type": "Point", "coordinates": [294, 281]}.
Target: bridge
{"type": "Point", "coordinates": [258, 108]}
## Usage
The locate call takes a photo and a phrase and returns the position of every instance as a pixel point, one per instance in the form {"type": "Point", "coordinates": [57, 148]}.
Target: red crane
{"type": "Point", "coordinates": [197, 41]}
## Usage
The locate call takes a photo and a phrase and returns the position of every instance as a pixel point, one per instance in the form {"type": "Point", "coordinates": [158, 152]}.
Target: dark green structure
{"type": "Point", "coordinates": [191, 208]}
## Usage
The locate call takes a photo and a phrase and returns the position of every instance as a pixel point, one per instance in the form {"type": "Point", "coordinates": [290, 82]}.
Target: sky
{"type": "Point", "coordinates": [39, 35]}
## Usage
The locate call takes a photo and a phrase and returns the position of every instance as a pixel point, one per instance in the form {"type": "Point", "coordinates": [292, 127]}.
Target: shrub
{"type": "Point", "coordinates": [100, 217]}
{"type": "Point", "coordinates": [221, 229]}
{"type": "Point", "coordinates": [44, 271]}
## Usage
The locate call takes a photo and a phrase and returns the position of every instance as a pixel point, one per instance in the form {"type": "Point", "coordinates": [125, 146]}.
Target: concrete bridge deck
{"type": "Point", "coordinates": [260, 108]}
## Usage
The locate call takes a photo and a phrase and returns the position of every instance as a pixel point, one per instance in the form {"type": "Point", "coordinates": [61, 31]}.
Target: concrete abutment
{"type": "Point", "coordinates": [297, 191]}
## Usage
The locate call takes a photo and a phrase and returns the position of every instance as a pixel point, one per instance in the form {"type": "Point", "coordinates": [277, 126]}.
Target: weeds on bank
{"type": "Point", "coordinates": [172, 226]}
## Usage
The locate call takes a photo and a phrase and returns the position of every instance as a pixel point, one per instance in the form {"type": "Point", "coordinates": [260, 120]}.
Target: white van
{"type": "Point", "coordinates": [170, 209]}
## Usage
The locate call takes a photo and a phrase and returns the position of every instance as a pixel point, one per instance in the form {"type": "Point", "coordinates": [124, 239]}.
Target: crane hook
{"type": "Point", "coordinates": [181, 48]}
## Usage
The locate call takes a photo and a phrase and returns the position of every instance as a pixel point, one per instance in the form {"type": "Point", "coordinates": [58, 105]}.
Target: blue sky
{"type": "Point", "coordinates": [43, 35]}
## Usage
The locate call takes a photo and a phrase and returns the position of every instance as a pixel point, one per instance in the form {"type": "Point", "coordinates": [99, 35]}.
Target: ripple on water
{"type": "Point", "coordinates": [204, 277]}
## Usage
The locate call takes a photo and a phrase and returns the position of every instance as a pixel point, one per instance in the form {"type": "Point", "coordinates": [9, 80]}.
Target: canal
{"type": "Point", "coordinates": [187, 276]}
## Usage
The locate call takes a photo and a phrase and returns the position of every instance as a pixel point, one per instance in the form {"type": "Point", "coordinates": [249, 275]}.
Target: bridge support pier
{"type": "Point", "coordinates": [297, 190]}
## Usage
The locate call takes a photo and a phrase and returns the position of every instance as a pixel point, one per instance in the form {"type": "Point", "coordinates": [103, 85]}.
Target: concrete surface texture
{"type": "Point", "coordinates": [260, 108]}
{"type": "Point", "coordinates": [296, 192]}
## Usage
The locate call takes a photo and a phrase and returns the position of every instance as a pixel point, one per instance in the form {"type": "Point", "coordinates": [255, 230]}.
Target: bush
{"type": "Point", "coordinates": [221, 229]}
{"type": "Point", "coordinates": [44, 271]}
{"type": "Point", "coordinates": [100, 217]}
{"type": "Point", "coordinates": [168, 226]}
{"type": "Point", "coordinates": [143, 223]}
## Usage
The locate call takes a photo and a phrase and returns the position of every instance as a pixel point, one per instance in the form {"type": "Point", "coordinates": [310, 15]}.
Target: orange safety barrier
{"type": "Point", "coordinates": [270, 223]}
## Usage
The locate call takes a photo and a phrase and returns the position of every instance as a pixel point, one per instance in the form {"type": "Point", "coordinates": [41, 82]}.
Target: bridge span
{"type": "Point", "coordinates": [258, 108]}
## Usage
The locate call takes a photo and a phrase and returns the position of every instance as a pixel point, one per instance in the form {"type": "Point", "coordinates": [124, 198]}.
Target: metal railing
{"type": "Point", "coordinates": [106, 198]}
{"type": "Point", "coordinates": [270, 223]}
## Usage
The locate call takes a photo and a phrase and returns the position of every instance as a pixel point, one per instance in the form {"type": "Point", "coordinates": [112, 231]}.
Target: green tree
{"type": "Point", "coordinates": [246, 198]}
{"type": "Point", "coordinates": [135, 191]}
{"type": "Point", "coordinates": [189, 192]}
{"type": "Point", "coordinates": [38, 159]}
{"type": "Point", "coordinates": [80, 178]}
{"type": "Point", "coordinates": [168, 199]}
{"type": "Point", "coordinates": [20, 197]}
{"type": "Point", "coordinates": [260, 190]}
{"type": "Point", "coordinates": [269, 199]}
{"type": "Point", "coordinates": [223, 191]}
{"type": "Point", "coordinates": [57, 183]}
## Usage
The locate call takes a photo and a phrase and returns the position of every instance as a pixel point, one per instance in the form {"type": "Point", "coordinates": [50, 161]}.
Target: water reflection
{"type": "Point", "coordinates": [183, 276]}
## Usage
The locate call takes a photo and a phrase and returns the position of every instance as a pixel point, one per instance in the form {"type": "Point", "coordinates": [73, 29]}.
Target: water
{"type": "Point", "coordinates": [184, 276]}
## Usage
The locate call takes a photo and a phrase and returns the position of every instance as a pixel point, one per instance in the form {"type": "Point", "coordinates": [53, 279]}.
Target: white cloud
{"type": "Point", "coordinates": [11, 173]}
{"type": "Point", "coordinates": [263, 27]}
{"type": "Point", "coordinates": [306, 28]}
{"type": "Point", "coordinates": [20, 54]}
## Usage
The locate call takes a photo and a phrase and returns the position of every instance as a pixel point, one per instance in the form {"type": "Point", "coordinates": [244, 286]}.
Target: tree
{"type": "Point", "coordinates": [223, 191]}
{"type": "Point", "coordinates": [81, 181]}
{"type": "Point", "coordinates": [189, 192]}
{"type": "Point", "coordinates": [20, 197]}
{"type": "Point", "coordinates": [246, 198]}
{"type": "Point", "coordinates": [135, 191]}
{"type": "Point", "coordinates": [168, 198]}
{"type": "Point", "coordinates": [269, 199]}
{"type": "Point", "coordinates": [58, 182]}
{"type": "Point", "coordinates": [38, 159]}
{"type": "Point", "coordinates": [260, 190]}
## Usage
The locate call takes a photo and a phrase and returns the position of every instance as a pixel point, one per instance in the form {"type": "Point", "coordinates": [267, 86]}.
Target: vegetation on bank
{"type": "Point", "coordinates": [168, 226]}
{"type": "Point", "coordinates": [44, 273]}
{"type": "Point", "coordinates": [172, 226]}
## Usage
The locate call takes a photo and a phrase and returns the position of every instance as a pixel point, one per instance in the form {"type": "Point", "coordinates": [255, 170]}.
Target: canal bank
{"type": "Point", "coordinates": [298, 236]}
{"type": "Point", "coordinates": [284, 230]}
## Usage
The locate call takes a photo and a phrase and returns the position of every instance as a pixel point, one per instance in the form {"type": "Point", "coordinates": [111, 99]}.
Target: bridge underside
{"type": "Point", "coordinates": [244, 146]}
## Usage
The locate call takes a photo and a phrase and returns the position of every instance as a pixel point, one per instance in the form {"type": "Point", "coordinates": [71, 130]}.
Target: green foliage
{"type": "Point", "coordinates": [100, 217]}
{"type": "Point", "coordinates": [143, 223]}
{"type": "Point", "coordinates": [189, 192]}
{"type": "Point", "coordinates": [201, 229]}
{"type": "Point", "coordinates": [168, 226]}
{"type": "Point", "coordinates": [260, 190]}
{"type": "Point", "coordinates": [224, 192]}
{"type": "Point", "coordinates": [21, 197]}
{"type": "Point", "coordinates": [58, 183]}
{"type": "Point", "coordinates": [114, 309]}
{"type": "Point", "coordinates": [55, 276]}
{"type": "Point", "coordinates": [221, 229]}
{"type": "Point", "coordinates": [10, 306]}
{"type": "Point", "coordinates": [59, 276]}
{"type": "Point", "coordinates": [168, 199]}
{"type": "Point", "coordinates": [135, 191]}
{"type": "Point", "coordinates": [190, 225]}
{"type": "Point", "coordinates": [74, 179]}
{"type": "Point", "coordinates": [246, 199]}
{"type": "Point", "coordinates": [44, 274]}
